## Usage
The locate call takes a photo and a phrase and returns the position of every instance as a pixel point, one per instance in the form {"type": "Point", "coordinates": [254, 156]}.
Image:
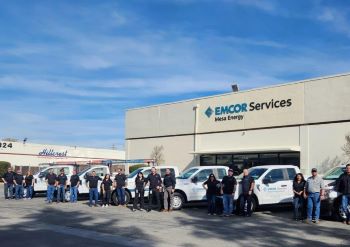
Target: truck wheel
{"type": "Point", "coordinates": [67, 195]}
{"type": "Point", "coordinates": [254, 204]}
{"type": "Point", "coordinates": [179, 201]}
{"type": "Point", "coordinates": [115, 198]}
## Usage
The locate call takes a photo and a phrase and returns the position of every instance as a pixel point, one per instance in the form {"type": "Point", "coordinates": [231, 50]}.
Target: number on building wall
{"type": "Point", "coordinates": [5, 145]}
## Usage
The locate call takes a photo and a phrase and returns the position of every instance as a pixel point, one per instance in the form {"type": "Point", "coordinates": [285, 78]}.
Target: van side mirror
{"type": "Point", "coordinates": [267, 181]}
{"type": "Point", "coordinates": [194, 180]}
{"type": "Point", "coordinates": [41, 175]}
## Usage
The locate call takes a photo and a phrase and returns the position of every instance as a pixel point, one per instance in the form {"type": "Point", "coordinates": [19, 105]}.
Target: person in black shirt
{"type": "Point", "coordinates": [29, 184]}
{"type": "Point", "coordinates": [139, 191]}
{"type": "Point", "coordinates": [8, 178]}
{"type": "Point", "coordinates": [74, 184]}
{"type": "Point", "coordinates": [298, 198]}
{"type": "Point", "coordinates": [343, 186]}
{"type": "Point", "coordinates": [155, 185]}
{"type": "Point", "coordinates": [228, 188]}
{"type": "Point", "coordinates": [211, 186]}
{"type": "Point", "coordinates": [61, 186]}
{"type": "Point", "coordinates": [51, 185]}
{"type": "Point", "coordinates": [106, 190]}
{"type": "Point", "coordinates": [119, 184]}
{"type": "Point", "coordinates": [93, 191]}
{"type": "Point", "coordinates": [169, 183]}
{"type": "Point", "coordinates": [247, 184]}
{"type": "Point", "coordinates": [19, 181]}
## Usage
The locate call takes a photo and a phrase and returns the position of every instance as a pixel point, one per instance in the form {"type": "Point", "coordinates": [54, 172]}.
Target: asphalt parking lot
{"type": "Point", "coordinates": [40, 224]}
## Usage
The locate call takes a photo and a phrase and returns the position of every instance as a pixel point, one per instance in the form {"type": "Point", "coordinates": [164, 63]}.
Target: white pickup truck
{"type": "Point", "coordinates": [273, 184]}
{"type": "Point", "coordinates": [40, 183]}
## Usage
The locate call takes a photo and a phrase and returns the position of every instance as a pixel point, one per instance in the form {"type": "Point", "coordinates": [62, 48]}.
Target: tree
{"type": "Point", "coordinates": [157, 155]}
{"type": "Point", "coordinates": [3, 167]}
{"type": "Point", "coordinates": [346, 147]}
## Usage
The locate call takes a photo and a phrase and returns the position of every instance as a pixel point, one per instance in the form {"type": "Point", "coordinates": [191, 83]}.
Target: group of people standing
{"type": "Point", "coordinates": [60, 182]}
{"type": "Point", "coordinates": [309, 194]}
{"type": "Point", "coordinates": [227, 188]}
{"type": "Point", "coordinates": [16, 181]}
{"type": "Point", "coordinates": [157, 186]}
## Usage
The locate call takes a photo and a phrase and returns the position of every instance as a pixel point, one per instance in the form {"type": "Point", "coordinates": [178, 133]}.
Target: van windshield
{"type": "Point", "coordinates": [254, 172]}
{"type": "Point", "coordinates": [188, 173]}
{"type": "Point", "coordinates": [134, 173]}
{"type": "Point", "coordinates": [83, 171]}
{"type": "Point", "coordinates": [334, 173]}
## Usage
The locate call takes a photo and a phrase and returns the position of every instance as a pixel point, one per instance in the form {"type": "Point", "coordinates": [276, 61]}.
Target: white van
{"type": "Point", "coordinates": [130, 187]}
{"type": "Point", "coordinates": [189, 185]}
{"type": "Point", "coordinates": [273, 184]}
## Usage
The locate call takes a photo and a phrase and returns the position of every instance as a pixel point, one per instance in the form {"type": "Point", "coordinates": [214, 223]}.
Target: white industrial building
{"type": "Point", "coordinates": [302, 123]}
{"type": "Point", "coordinates": [29, 155]}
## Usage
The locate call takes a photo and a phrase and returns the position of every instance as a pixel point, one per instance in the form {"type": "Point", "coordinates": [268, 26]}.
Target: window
{"type": "Point", "coordinates": [188, 173]}
{"type": "Point", "coordinates": [221, 173]}
{"type": "Point", "coordinates": [208, 160]}
{"type": "Point", "coordinates": [146, 173]}
{"type": "Point", "coordinates": [275, 175]}
{"type": "Point", "coordinates": [224, 159]}
{"type": "Point", "coordinates": [203, 175]}
{"type": "Point", "coordinates": [269, 159]}
{"type": "Point", "coordinates": [290, 159]}
{"type": "Point", "coordinates": [163, 170]}
{"type": "Point", "coordinates": [291, 173]}
{"type": "Point", "coordinates": [99, 171]}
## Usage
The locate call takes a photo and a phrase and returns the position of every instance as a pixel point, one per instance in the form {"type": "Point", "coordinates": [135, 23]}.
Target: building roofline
{"type": "Point", "coordinates": [244, 91]}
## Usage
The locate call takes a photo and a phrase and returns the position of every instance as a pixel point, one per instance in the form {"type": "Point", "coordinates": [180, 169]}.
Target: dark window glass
{"type": "Point", "coordinates": [291, 173]}
{"type": "Point", "coordinates": [290, 159]}
{"type": "Point", "coordinates": [221, 173]}
{"type": "Point", "coordinates": [208, 160]}
{"type": "Point", "coordinates": [275, 175]}
{"type": "Point", "coordinates": [224, 159]}
{"type": "Point", "coordinates": [269, 159]}
{"type": "Point", "coordinates": [203, 175]}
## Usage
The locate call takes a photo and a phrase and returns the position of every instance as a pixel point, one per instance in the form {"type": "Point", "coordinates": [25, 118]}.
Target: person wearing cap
{"type": "Point", "coordinates": [211, 186]}
{"type": "Point", "coordinates": [61, 186]}
{"type": "Point", "coordinates": [314, 192]}
{"type": "Point", "coordinates": [228, 189]}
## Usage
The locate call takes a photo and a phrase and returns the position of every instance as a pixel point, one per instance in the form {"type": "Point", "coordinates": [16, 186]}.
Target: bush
{"type": "Point", "coordinates": [3, 168]}
{"type": "Point", "coordinates": [135, 167]}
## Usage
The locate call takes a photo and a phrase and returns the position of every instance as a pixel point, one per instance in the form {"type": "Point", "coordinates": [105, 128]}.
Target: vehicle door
{"type": "Point", "coordinates": [40, 183]}
{"type": "Point", "coordinates": [274, 187]}
{"type": "Point", "coordinates": [199, 193]}
{"type": "Point", "coordinates": [291, 172]}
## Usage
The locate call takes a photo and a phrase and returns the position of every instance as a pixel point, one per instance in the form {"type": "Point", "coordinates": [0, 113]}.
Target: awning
{"type": "Point", "coordinates": [249, 150]}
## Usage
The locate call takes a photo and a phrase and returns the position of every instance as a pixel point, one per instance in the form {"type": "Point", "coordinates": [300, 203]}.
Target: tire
{"type": "Point", "coordinates": [254, 204]}
{"type": "Point", "coordinates": [179, 201]}
{"type": "Point", "coordinates": [337, 212]}
{"type": "Point", "coordinates": [67, 195]}
{"type": "Point", "coordinates": [115, 198]}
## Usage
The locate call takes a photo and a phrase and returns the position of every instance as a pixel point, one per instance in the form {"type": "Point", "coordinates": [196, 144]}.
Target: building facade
{"type": "Point", "coordinates": [302, 123]}
{"type": "Point", "coordinates": [31, 156]}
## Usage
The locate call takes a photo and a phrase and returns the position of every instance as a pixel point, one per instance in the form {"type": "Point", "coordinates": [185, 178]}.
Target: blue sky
{"type": "Point", "coordinates": [70, 69]}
